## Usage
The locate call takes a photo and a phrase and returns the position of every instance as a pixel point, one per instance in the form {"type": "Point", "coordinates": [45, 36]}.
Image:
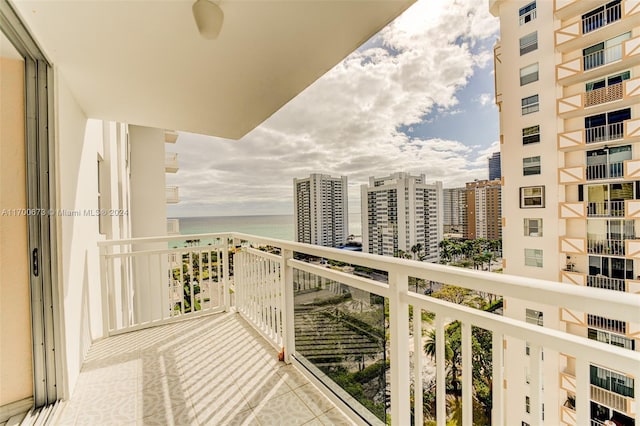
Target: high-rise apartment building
{"type": "Point", "coordinates": [567, 87]}
{"type": "Point", "coordinates": [399, 212]}
{"type": "Point", "coordinates": [454, 207]}
{"type": "Point", "coordinates": [483, 199]}
{"type": "Point", "coordinates": [321, 210]}
{"type": "Point", "coordinates": [495, 167]}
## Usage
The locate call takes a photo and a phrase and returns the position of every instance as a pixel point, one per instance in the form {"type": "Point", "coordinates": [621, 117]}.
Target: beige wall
{"type": "Point", "coordinates": [16, 375]}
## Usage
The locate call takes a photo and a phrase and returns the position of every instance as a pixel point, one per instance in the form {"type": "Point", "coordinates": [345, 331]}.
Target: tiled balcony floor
{"type": "Point", "coordinates": [213, 370]}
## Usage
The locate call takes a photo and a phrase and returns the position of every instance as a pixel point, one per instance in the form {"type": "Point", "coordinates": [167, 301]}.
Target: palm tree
{"type": "Point", "coordinates": [416, 249]}
{"type": "Point", "coordinates": [430, 346]}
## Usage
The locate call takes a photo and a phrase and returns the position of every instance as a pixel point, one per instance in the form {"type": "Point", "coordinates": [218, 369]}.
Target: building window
{"type": "Point", "coordinates": [527, 404]}
{"type": "Point", "coordinates": [531, 166]}
{"type": "Point", "coordinates": [529, 74]}
{"type": "Point", "coordinates": [533, 316]}
{"type": "Point", "coordinates": [529, 43]}
{"type": "Point", "coordinates": [532, 227]}
{"type": "Point", "coordinates": [611, 381]}
{"type": "Point", "coordinates": [531, 135]}
{"type": "Point", "coordinates": [527, 13]}
{"type": "Point", "coordinates": [530, 104]}
{"type": "Point", "coordinates": [533, 257]}
{"type": "Point", "coordinates": [532, 197]}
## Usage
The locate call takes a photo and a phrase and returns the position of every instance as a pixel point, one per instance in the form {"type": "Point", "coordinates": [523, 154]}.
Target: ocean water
{"type": "Point", "coordinates": [271, 226]}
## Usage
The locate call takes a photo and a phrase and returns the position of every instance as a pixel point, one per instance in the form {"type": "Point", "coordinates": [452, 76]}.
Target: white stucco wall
{"type": "Point", "coordinates": [77, 141]}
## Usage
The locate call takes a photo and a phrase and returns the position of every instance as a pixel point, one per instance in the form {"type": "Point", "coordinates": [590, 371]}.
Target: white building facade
{"type": "Point", "coordinates": [400, 211]}
{"type": "Point", "coordinates": [321, 210]}
{"type": "Point", "coordinates": [566, 87]}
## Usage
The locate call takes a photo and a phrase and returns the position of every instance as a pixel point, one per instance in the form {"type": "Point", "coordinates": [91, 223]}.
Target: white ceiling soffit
{"type": "Point", "coordinates": [143, 62]}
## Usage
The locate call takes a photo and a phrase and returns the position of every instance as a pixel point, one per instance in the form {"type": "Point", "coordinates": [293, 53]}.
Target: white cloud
{"type": "Point", "coordinates": [485, 99]}
{"type": "Point", "coordinates": [347, 122]}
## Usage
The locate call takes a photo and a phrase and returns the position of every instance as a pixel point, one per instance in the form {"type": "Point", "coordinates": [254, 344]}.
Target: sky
{"type": "Point", "coordinates": [417, 97]}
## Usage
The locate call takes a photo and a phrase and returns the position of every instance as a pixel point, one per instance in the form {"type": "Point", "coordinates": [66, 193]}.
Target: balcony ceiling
{"type": "Point", "coordinates": [144, 62]}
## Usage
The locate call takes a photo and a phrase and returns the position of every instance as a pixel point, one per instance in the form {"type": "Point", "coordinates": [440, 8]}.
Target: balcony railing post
{"type": "Point", "coordinates": [536, 396]}
{"type": "Point", "coordinates": [417, 366]}
{"type": "Point", "coordinates": [583, 396]}
{"type": "Point", "coordinates": [104, 290]}
{"type": "Point", "coordinates": [399, 332]}
{"type": "Point", "coordinates": [441, 387]}
{"type": "Point", "coordinates": [497, 391]}
{"type": "Point", "coordinates": [226, 283]}
{"type": "Point", "coordinates": [467, 375]}
{"type": "Point", "coordinates": [288, 318]}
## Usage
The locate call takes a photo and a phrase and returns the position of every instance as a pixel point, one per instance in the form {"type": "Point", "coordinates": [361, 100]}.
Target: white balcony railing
{"type": "Point", "coordinates": [173, 226]}
{"type": "Point", "coordinates": [602, 57]}
{"type": "Point", "coordinates": [600, 244]}
{"type": "Point", "coordinates": [610, 170]}
{"type": "Point", "coordinates": [145, 282]}
{"type": "Point", "coordinates": [605, 209]}
{"type": "Point", "coordinates": [598, 281]}
{"type": "Point", "coordinates": [171, 162]}
{"type": "Point", "coordinates": [607, 132]}
{"type": "Point", "coordinates": [172, 194]}
{"type": "Point", "coordinates": [601, 19]}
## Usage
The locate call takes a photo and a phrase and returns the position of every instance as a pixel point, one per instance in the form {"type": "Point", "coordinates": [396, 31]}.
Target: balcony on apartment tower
{"type": "Point", "coordinates": [237, 300]}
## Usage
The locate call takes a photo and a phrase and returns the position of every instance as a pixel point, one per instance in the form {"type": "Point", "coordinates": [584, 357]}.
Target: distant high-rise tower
{"type": "Point", "coordinates": [483, 200]}
{"type": "Point", "coordinates": [399, 212]}
{"type": "Point", "coordinates": [495, 171]}
{"type": "Point", "coordinates": [321, 210]}
{"type": "Point", "coordinates": [454, 205]}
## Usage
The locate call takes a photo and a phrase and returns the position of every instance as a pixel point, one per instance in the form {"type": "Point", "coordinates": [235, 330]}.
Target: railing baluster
{"type": "Point", "coordinates": [535, 397]}
{"type": "Point", "coordinates": [399, 331]}
{"type": "Point", "coordinates": [200, 280]}
{"type": "Point", "coordinates": [288, 318]}
{"type": "Point", "coordinates": [417, 366]}
{"type": "Point", "coordinates": [441, 375]}
{"type": "Point", "coordinates": [181, 288]}
{"type": "Point", "coordinates": [467, 375]}
{"type": "Point", "coordinates": [583, 395]}
{"type": "Point", "coordinates": [225, 272]}
{"type": "Point", "coordinates": [191, 279]}
{"type": "Point", "coordinates": [497, 389]}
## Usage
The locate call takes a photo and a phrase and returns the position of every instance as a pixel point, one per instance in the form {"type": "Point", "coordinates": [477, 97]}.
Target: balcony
{"type": "Point", "coordinates": [610, 170]}
{"type": "Point", "coordinates": [600, 281]}
{"type": "Point", "coordinates": [173, 226]}
{"type": "Point", "coordinates": [606, 246]}
{"type": "Point", "coordinates": [274, 300]}
{"type": "Point", "coordinates": [213, 370]}
{"type": "Point", "coordinates": [624, 131]}
{"type": "Point", "coordinates": [606, 209]}
{"type": "Point", "coordinates": [604, 24]}
{"type": "Point", "coordinates": [170, 136]}
{"type": "Point", "coordinates": [564, 9]}
{"type": "Point", "coordinates": [611, 399]}
{"type": "Point", "coordinates": [171, 162]}
{"type": "Point", "coordinates": [603, 62]}
{"type": "Point", "coordinates": [172, 195]}
{"type": "Point", "coordinates": [597, 101]}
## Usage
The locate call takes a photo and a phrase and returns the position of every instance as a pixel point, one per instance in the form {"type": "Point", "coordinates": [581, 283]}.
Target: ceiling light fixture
{"type": "Point", "coordinates": [209, 17]}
